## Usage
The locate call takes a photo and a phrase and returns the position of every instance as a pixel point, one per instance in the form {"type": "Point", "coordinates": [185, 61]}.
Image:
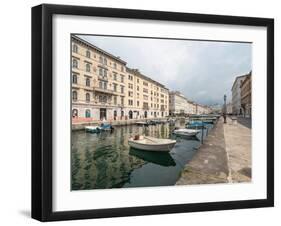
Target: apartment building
{"type": "Point", "coordinates": [236, 95]}
{"type": "Point", "coordinates": [246, 95]}
{"type": "Point", "coordinates": [104, 88]}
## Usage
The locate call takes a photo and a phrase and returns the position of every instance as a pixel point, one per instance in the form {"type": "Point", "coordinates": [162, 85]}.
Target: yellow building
{"type": "Point", "coordinates": [104, 88]}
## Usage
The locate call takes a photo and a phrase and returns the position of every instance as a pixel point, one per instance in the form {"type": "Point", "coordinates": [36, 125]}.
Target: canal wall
{"type": "Point", "coordinates": [210, 163]}
{"type": "Point", "coordinates": [81, 126]}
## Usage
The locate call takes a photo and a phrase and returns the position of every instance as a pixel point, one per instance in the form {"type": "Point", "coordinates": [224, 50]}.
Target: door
{"type": "Point", "coordinates": [103, 114]}
{"type": "Point", "coordinates": [130, 114]}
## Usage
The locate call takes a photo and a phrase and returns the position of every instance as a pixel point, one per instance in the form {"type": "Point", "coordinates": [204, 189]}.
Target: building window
{"type": "Point", "coordinates": [88, 68]}
{"type": "Point", "coordinates": [130, 77]}
{"type": "Point", "coordinates": [100, 72]}
{"type": "Point", "coordinates": [74, 63]}
{"type": "Point", "coordinates": [122, 68]}
{"type": "Point", "coordinates": [138, 103]}
{"type": "Point", "coordinates": [122, 89]}
{"type": "Point", "coordinates": [74, 78]}
{"type": "Point", "coordinates": [74, 95]}
{"type": "Point", "coordinates": [115, 100]}
{"type": "Point", "coordinates": [114, 65]}
{"type": "Point", "coordinates": [101, 60]}
{"type": "Point", "coordinates": [88, 113]}
{"type": "Point", "coordinates": [74, 113]}
{"type": "Point", "coordinates": [105, 73]}
{"type": "Point", "coordinates": [115, 76]}
{"type": "Point", "coordinates": [88, 82]}
{"type": "Point", "coordinates": [122, 78]}
{"type": "Point", "coordinates": [130, 93]}
{"type": "Point", "coordinates": [88, 54]}
{"type": "Point", "coordinates": [115, 87]}
{"type": "Point", "coordinates": [138, 88]}
{"type": "Point", "coordinates": [130, 102]}
{"type": "Point", "coordinates": [103, 85]}
{"type": "Point", "coordinates": [122, 100]}
{"type": "Point", "coordinates": [87, 97]}
{"type": "Point", "coordinates": [130, 86]}
{"type": "Point", "coordinates": [74, 48]}
{"type": "Point", "coordinates": [105, 61]}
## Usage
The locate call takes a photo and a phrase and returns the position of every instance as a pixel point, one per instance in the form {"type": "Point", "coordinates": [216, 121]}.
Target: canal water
{"type": "Point", "coordinates": [105, 160]}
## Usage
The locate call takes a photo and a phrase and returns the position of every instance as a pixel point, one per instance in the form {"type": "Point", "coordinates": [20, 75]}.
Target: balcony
{"type": "Point", "coordinates": [105, 78]}
{"type": "Point", "coordinates": [101, 90]}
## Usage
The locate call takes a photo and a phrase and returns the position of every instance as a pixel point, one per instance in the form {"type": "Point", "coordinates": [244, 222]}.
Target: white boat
{"type": "Point", "coordinates": [142, 123]}
{"type": "Point", "coordinates": [152, 143]}
{"type": "Point", "coordinates": [93, 129]}
{"type": "Point", "coordinates": [186, 132]}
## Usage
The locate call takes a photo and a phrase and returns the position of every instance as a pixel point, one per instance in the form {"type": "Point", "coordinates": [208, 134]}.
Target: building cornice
{"type": "Point", "coordinates": [90, 45]}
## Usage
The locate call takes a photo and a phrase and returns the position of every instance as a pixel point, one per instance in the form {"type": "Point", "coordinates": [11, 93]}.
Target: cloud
{"type": "Point", "coordinates": [202, 70]}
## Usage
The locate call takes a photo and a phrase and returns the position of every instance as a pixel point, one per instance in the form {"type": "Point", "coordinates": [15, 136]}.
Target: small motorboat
{"type": "Point", "coordinates": [196, 125]}
{"type": "Point", "coordinates": [106, 127]}
{"type": "Point", "coordinates": [151, 143]}
{"type": "Point", "coordinates": [151, 122]}
{"type": "Point", "coordinates": [92, 129]}
{"type": "Point", "coordinates": [186, 132]}
{"type": "Point", "coordinates": [142, 123]}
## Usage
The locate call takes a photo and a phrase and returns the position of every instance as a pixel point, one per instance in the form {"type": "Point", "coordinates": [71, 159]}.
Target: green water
{"type": "Point", "coordinates": [105, 160]}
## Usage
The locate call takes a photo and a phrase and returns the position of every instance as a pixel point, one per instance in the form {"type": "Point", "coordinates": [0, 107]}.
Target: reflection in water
{"type": "Point", "coordinates": [159, 158]}
{"type": "Point", "coordinates": [105, 160]}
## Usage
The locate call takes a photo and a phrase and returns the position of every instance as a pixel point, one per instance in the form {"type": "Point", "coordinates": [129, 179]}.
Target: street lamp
{"type": "Point", "coordinates": [224, 112]}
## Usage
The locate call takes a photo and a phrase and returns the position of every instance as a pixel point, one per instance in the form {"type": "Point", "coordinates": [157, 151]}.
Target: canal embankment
{"type": "Point", "coordinates": [209, 165]}
{"type": "Point", "coordinates": [224, 157]}
{"type": "Point", "coordinates": [81, 125]}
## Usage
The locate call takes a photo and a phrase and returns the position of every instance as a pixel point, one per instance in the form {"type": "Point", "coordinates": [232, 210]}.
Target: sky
{"type": "Point", "coordinates": [203, 71]}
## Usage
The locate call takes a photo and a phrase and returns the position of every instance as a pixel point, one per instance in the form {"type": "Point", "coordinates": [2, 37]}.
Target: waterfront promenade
{"type": "Point", "coordinates": [225, 156]}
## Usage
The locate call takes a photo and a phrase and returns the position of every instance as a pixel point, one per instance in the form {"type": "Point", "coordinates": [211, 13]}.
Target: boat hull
{"type": "Point", "coordinates": [155, 147]}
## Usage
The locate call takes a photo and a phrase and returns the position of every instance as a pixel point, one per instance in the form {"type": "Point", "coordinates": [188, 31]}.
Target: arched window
{"type": "Point", "coordinates": [88, 82]}
{"type": "Point", "coordinates": [74, 63]}
{"type": "Point", "coordinates": [74, 113]}
{"type": "Point", "coordinates": [74, 78]}
{"type": "Point", "coordinates": [74, 48]}
{"type": "Point", "coordinates": [88, 68]}
{"type": "Point", "coordinates": [87, 97]}
{"type": "Point", "coordinates": [88, 54]}
{"type": "Point", "coordinates": [88, 113]}
{"type": "Point", "coordinates": [74, 95]}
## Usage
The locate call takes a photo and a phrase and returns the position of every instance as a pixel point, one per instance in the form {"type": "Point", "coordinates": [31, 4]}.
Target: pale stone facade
{"type": "Point", "coordinates": [103, 87]}
{"type": "Point", "coordinates": [246, 95]}
{"type": "Point", "coordinates": [180, 105]}
{"type": "Point", "coordinates": [236, 95]}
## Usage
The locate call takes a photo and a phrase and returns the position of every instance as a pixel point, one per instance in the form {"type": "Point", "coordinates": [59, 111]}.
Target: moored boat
{"type": "Point", "coordinates": [196, 125]}
{"type": "Point", "coordinates": [92, 129]}
{"type": "Point", "coordinates": [186, 132]}
{"type": "Point", "coordinates": [151, 143]}
{"type": "Point", "coordinates": [142, 123]}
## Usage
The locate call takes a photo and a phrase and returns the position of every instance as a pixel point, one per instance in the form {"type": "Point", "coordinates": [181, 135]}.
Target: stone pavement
{"type": "Point", "coordinates": [238, 148]}
{"type": "Point", "coordinates": [225, 156]}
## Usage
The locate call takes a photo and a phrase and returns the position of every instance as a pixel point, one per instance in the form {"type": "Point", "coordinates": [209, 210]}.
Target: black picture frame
{"type": "Point", "coordinates": [42, 108]}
